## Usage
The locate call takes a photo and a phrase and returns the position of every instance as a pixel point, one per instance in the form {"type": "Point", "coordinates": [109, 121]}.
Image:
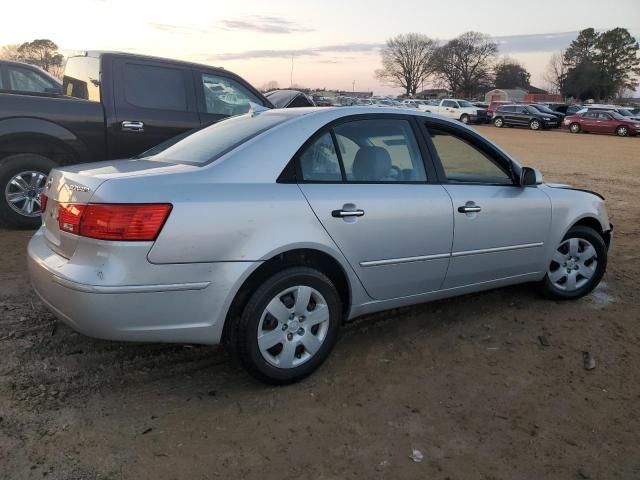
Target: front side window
{"type": "Point", "coordinates": [29, 81]}
{"type": "Point", "coordinates": [226, 96]}
{"type": "Point", "coordinates": [465, 163]}
{"type": "Point", "coordinates": [382, 150]}
{"type": "Point", "coordinates": [449, 103]}
{"type": "Point", "coordinates": [603, 116]}
{"type": "Point", "coordinates": [149, 86]}
{"type": "Point", "coordinates": [319, 161]}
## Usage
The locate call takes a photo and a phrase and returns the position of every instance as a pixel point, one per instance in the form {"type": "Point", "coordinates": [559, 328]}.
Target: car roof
{"type": "Point", "coordinates": [101, 53]}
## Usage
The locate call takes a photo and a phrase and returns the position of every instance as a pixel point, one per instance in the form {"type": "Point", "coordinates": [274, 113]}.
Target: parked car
{"type": "Point", "coordinates": [458, 109]}
{"type": "Point", "coordinates": [523, 116]}
{"type": "Point", "coordinates": [610, 108]}
{"type": "Point", "coordinates": [117, 105]}
{"type": "Point", "coordinates": [481, 105]}
{"type": "Point", "coordinates": [596, 121]}
{"type": "Point", "coordinates": [345, 212]}
{"type": "Point", "coordinates": [289, 99]}
{"type": "Point", "coordinates": [544, 109]}
{"type": "Point", "coordinates": [18, 77]}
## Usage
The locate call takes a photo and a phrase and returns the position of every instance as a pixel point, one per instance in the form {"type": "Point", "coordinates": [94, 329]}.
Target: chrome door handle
{"type": "Point", "coordinates": [131, 126]}
{"type": "Point", "coordinates": [347, 213]}
{"type": "Point", "coordinates": [469, 209]}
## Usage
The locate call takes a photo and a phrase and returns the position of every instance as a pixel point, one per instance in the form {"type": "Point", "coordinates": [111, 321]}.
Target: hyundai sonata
{"type": "Point", "coordinates": [265, 231]}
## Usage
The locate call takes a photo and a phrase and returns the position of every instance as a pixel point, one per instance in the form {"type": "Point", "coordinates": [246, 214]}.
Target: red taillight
{"type": "Point", "coordinates": [43, 203]}
{"type": "Point", "coordinates": [115, 221]}
{"type": "Point", "coordinates": [69, 216]}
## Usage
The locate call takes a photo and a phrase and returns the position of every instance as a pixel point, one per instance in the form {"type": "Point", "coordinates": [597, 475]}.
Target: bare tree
{"type": "Point", "coordinates": [407, 61]}
{"type": "Point", "coordinates": [42, 53]}
{"type": "Point", "coordinates": [270, 85]}
{"type": "Point", "coordinates": [9, 52]}
{"type": "Point", "coordinates": [465, 64]}
{"type": "Point", "coordinates": [556, 73]}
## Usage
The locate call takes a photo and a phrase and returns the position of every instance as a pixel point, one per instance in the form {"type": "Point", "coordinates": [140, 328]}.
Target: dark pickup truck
{"type": "Point", "coordinates": [113, 105]}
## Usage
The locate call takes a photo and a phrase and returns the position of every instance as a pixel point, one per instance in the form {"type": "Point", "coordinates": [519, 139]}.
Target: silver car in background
{"type": "Point", "coordinates": [267, 230]}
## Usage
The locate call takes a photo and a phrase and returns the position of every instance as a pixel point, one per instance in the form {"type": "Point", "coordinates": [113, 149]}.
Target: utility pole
{"type": "Point", "coordinates": [353, 87]}
{"type": "Point", "coordinates": [291, 77]}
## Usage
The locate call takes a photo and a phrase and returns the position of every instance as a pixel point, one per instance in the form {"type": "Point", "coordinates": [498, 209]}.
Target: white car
{"type": "Point", "coordinates": [458, 109]}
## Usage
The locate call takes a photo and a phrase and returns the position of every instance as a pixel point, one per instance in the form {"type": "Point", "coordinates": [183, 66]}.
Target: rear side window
{"type": "Point", "coordinates": [319, 161]}
{"type": "Point", "coordinates": [464, 162]}
{"type": "Point", "coordinates": [209, 144]}
{"type": "Point", "coordinates": [149, 86]}
{"type": "Point", "coordinates": [383, 150]}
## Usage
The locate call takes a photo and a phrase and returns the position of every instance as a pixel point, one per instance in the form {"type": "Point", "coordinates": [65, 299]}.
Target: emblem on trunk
{"type": "Point", "coordinates": [77, 188]}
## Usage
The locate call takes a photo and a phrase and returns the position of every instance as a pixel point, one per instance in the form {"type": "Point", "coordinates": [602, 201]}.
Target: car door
{"type": "Point", "coordinates": [220, 96]}
{"type": "Point", "coordinates": [605, 123]}
{"type": "Point", "coordinates": [449, 108]}
{"type": "Point", "coordinates": [154, 101]}
{"type": "Point", "coordinates": [500, 228]}
{"type": "Point", "coordinates": [589, 122]}
{"type": "Point", "coordinates": [367, 183]}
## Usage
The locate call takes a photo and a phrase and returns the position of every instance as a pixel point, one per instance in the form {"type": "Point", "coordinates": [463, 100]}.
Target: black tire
{"type": "Point", "coordinates": [535, 124]}
{"type": "Point", "coordinates": [244, 330]}
{"type": "Point", "coordinates": [464, 118]}
{"type": "Point", "coordinates": [10, 167]}
{"type": "Point", "coordinates": [547, 287]}
{"type": "Point", "coordinates": [575, 128]}
{"type": "Point", "coordinates": [622, 131]}
{"type": "Point", "coordinates": [498, 122]}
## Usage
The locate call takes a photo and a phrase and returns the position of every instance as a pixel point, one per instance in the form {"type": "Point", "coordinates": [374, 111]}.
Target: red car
{"type": "Point", "coordinates": [601, 122]}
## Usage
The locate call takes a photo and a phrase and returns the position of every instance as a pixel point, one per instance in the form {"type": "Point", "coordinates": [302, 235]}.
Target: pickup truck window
{"type": "Point", "coordinates": [26, 80]}
{"type": "Point", "coordinates": [161, 88]}
{"type": "Point", "coordinates": [450, 104]}
{"type": "Point", "coordinates": [82, 78]}
{"type": "Point", "coordinates": [226, 96]}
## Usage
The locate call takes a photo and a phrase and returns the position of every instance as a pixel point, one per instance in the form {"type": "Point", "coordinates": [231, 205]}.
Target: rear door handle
{"type": "Point", "coordinates": [132, 126]}
{"type": "Point", "coordinates": [469, 209]}
{"type": "Point", "coordinates": [347, 213]}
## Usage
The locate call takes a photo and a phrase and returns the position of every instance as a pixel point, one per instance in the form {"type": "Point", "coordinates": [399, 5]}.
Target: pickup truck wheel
{"type": "Point", "coordinates": [288, 327]}
{"type": "Point", "coordinates": [464, 118]}
{"type": "Point", "coordinates": [498, 122]}
{"type": "Point", "coordinates": [22, 179]}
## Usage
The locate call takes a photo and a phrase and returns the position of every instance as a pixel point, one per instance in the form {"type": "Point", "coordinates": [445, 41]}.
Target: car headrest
{"type": "Point", "coordinates": [371, 164]}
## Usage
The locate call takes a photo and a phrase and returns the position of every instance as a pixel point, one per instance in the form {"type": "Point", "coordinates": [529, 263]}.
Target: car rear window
{"type": "Point", "coordinates": [210, 143]}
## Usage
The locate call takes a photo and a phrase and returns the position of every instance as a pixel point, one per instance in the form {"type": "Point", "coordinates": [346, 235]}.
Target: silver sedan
{"type": "Point", "coordinates": [267, 230]}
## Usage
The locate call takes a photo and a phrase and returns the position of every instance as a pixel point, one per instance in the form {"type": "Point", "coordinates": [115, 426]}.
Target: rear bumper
{"type": "Point", "coordinates": [165, 308]}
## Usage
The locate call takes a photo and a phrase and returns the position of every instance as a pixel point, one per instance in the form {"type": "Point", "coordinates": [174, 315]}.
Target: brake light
{"type": "Point", "coordinates": [114, 221]}
{"type": "Point", "coordinates": [43, 203]}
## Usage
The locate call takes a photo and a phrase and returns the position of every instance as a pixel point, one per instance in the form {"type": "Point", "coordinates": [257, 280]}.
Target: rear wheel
{"type": "Point", "coordinates": [22, 179]}
{"type": "Point", "coordinates": [498, 122]}
{"type": "Point", "coordinates": [577, 265]}
{"type": "Point", "coordinates": [535, 124]}
{"type": "Point", "coordinates": [574, 128]}
{"type": "Point", "coordinates": [289, 326]}
{"type": "Point", "coordinates": [622, 131]}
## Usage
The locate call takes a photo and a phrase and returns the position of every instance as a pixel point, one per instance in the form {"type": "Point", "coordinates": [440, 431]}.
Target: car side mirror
{"type": "Point", "coordinates": [530, 176]}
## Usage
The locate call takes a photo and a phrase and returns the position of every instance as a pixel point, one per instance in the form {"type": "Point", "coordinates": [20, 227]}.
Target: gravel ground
{"type": "Point", "coordinates": [468, 382]}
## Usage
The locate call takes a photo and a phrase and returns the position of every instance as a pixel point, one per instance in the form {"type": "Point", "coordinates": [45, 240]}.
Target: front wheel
{"type": "Point", "coordinates": [464, 119]}
{"type": "Point", "coordinates": [535, 125]}
{"type": "Point", "coordinates": [289, 326]}
{"type": "Point", "coordinates": [498, 122]}
{"type": "Point", "coordinates": [622, 131]}
{"type": "Point", "coordinates": [577, 265]}
{"type": "Point", "coordinates": [22, 179]}
{"type": "Point", "coordinates": [574, 128]}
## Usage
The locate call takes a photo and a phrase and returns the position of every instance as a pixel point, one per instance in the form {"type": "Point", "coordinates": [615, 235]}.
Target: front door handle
{"type": "Point", "coordinates": [347, 213]}
{"type": "Point", "coordinates": [131, 126]}
{"type": "Point", "coordinates": [469, 209]}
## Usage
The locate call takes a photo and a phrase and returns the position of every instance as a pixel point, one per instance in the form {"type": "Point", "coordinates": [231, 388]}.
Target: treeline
{"type": "Point", "coordinates": [42, 53]}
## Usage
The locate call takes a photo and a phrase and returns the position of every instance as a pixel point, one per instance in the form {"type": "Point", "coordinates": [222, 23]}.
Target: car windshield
{"type": "Point", "coordinates": [465, 104]}
{"type": "Point", "coordinates": [210, 143]}
{"type": "Point", "coordinates": [532, 109]}
{"type": "Point", "coordinates": [624, 112]}
{"type": "Point", "coordinates": [542, 108]}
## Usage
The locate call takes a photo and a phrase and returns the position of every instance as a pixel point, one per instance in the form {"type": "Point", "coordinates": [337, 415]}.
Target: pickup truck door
{"type": "Point", "coordinates": [153, 102]}
{"type": "Point", "coordinates": [449, 108]}
{"type": "Point", "coordinates": [220, 96]}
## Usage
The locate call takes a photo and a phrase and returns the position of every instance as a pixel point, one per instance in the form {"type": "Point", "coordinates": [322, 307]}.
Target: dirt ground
{"type": "Point", "coordinates": [465, 381]}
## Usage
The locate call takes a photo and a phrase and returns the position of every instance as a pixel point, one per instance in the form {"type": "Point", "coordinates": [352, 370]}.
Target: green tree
{"type": "Point", "coordinates": [511, 74]}
{"type": "Point", "coordinates": [617, 56]}
{"type": "Point", "coordinates": [407, 61]}
{"type": "Point", "coordinates": [41, 52]}
{"type": "Point", "coordinates": [465, 64]}
{"type": "Point", "coordinates": [582, 49]}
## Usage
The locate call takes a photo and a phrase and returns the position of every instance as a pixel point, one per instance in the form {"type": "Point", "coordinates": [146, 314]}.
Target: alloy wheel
{"type": "Point", "coordinates": [623, 131]}
{"type": "Point", "coordinates": [498, 122]}
{"type": "Point", "coordinates": [535, 125]}
{"type": "Point", "coordinates": [575, 128]}
{"type": "Point", "coordinates": [23, 191]}
{"type": "Point", "coordinates": [573, 264]}
{"type": "Point", "coordinates": [293, 326]}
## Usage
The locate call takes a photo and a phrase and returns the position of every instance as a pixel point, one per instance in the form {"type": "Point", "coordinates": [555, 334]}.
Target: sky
{"type": "Point", "coordinates": [331, 44]}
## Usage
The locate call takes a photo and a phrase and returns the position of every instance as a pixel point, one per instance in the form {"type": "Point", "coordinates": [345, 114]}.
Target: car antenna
{"type": "Point", "coordinates": [255, 109]}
